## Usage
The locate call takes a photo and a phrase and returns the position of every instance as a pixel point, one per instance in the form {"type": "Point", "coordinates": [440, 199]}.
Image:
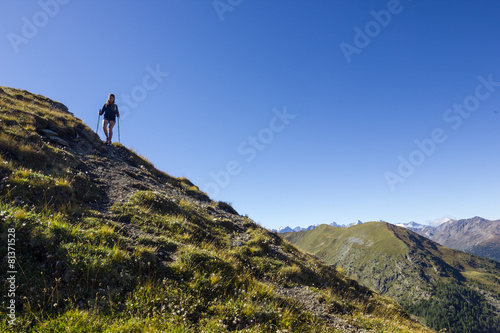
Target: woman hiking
{"type": "Point", "coordinates": [110, 110]}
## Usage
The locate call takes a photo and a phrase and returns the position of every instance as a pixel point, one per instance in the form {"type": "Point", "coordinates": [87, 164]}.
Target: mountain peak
{"type": "Point", "coordinates": [475, 235]}
{"type": "Point", "coordinates": [413, 226]}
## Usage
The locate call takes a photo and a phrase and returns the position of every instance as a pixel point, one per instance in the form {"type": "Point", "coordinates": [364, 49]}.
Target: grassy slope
{"type": "Point", "coordinates": [364, 252]}
{"type": "Point", "coordinates": [398, 262]}
{"type": "Point", "coordinates": [163, 259]}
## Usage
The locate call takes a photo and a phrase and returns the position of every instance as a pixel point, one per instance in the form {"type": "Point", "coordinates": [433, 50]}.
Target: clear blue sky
{"type": "Point", "coordinates": [296, 112]}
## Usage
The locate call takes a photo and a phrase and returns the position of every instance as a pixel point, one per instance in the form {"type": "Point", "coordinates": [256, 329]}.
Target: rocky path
{"type": "Point", "coordinates": [310, 301]}
{"type": "Point", "coordinates": [111, 167]}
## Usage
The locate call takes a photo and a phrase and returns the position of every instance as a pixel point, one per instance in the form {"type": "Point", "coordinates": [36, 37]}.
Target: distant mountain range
{"type": "Point", "coordinates": [476, 235]}
{"type": "Point", "coordinates": [446, 288]}
{"type": "Point", "coordinates": [413, 226]}
{"type": "Point", "coordinates": [286, 229]}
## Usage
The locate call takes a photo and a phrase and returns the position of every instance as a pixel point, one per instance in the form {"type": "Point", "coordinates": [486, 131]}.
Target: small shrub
{"type": "Point", "coordinates": [193, 259]}
{"type": "Point", "coordinates": [226, 207]}
{"type": "Point", "coordinates": [146, 255]}
{"type": "Point", "coordinates": [39, 189]}
{"type": "Point", "coordinates": [85, 189]}
{"type": "Point", "coordinates": [292, 272]}
{"type": "Point", "coordinates": [105, 234]}
{"type": "Point", "coordinates": [155, 201]}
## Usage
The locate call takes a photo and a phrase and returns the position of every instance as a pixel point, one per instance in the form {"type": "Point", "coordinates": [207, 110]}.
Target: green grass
{"type": "Point", "coordinates": [375, 236]}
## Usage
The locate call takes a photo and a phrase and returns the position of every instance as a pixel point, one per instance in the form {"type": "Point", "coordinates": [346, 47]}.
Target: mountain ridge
{"type": "Point", "coordinates": [475, 235]}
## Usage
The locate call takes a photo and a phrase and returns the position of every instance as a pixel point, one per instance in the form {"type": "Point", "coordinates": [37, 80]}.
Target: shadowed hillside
{"type": "Point", "coordinates": [105, 242]}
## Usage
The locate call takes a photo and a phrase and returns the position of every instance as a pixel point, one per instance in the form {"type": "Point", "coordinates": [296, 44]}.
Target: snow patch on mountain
{"type": "Point", "coordinates": [282, 230]}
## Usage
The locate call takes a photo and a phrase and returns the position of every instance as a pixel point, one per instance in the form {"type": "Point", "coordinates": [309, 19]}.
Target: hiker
{"type": "Point", "coordinates": [110, 110]}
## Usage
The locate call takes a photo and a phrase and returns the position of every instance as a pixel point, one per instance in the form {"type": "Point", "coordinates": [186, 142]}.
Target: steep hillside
{"type": "Point", "coordinates": [476, 236]}
{"type": "Point", "coordinates": [422, 275]}
{"type": "Point", "coordinates": [98, 240]}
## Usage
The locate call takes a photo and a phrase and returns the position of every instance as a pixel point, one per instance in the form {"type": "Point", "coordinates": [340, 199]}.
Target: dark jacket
{"type": "Point", "coordinates": [110, 111]}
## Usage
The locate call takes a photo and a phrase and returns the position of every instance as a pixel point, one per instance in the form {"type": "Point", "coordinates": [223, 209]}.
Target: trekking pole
{"type": "Point", "coordinates": [119, 140]}
{"type": "Point", "coordinates": [98, 119]}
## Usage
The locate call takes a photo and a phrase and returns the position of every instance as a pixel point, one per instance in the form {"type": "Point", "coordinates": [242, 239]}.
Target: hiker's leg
{"type": "Point", "coordinates": [105, 128]}
{"type": "Point", "coordinates": [111, 125]}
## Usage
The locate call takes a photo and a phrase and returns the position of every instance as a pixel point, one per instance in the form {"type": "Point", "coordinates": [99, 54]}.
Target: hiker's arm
{"type": "Point", "coordinates": [117, 112]}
